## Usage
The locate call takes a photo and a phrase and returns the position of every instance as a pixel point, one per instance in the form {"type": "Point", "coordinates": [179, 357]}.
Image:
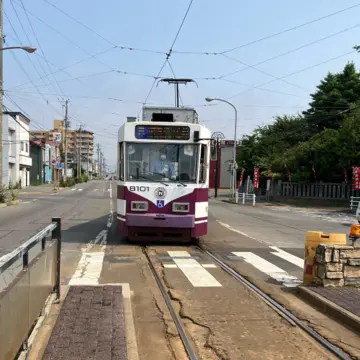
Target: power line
{"type": "Point", "coordinates": [286, 52]}
{"type": "Point", "coordinates": [39, 45]}
{"type": "Point", "coordinates": [63, 36]}
{"type": "Point", "coordinates": [292, 28]}
{"type": "Point", "coordinates": [173, 72]}
{"type": "Point", "coordinates": [294, 73]}
{"type": "Point", "coordinates": [100, 36]}
{"type": "Point", "coordinates": [169, 53]}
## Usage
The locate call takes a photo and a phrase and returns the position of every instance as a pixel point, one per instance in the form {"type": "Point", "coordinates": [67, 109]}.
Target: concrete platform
{"type": "Point", "coordinates": [342, 304]}
{"type": "Point", "coordinates": [90, 326]}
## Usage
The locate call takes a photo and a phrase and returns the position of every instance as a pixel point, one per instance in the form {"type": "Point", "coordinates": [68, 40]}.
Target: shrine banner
{"type": "Point", "coordinates": [356, 178]}
{"type": "Point", "coordinates": [242, 176]}
{"type": "Point", "coordinates": [256, 178]}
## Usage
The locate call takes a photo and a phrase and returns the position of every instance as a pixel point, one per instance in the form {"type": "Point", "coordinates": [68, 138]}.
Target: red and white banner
{"type": "Point", "coordinates": [256, 178]}
{"type": "Point", "coordinates": [242, 176]}
{"type": "Point", "coordinates": [314, 172]}
{"type": "Point", "coordinates": [356, 178]}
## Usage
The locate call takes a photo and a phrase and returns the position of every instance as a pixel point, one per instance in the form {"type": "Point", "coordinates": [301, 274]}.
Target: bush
{"type": "Point", "coordinates": [69, 182]}
{"type": "Point", "coordinates": [3, 194]}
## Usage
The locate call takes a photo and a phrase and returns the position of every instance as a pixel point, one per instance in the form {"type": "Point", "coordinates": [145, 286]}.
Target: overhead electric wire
{"type": "Point", "coordinates": [64, 68]}
{"type": "Point", "coordinates": [286, 52]}
{"type": "Point", "coordinates": [173, 72]}
{"type": "Point", "coordinates": [294, 73]}
{"type": "Point", "coordinates": [292, 28]}
{"type": "Point", "coordinates": [19, 40]}
{"type": "Point", "coordinates": [63, 36]}
{"type": "Point", "coordinates": [100, 36]}
{"type": "Point", "coordinates": [40, 47]}
{"type": "Point", "coordinates": [169, 52]}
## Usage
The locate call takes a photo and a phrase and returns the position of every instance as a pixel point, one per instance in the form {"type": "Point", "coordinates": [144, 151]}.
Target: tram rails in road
{"type": "Point", "coordinates": [292, 319]}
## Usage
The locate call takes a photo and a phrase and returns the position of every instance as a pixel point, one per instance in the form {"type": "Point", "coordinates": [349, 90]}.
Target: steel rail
{"type": "Point", "coordinates": [167, 299]}
{"type": "Point", "coordinates": [285, 313]}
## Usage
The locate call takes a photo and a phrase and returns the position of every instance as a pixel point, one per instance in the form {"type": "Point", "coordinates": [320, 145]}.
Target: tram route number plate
{"type": "Point", "coordinates": [139, 188]}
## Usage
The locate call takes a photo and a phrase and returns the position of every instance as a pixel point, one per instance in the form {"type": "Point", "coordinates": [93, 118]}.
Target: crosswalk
{"type": "Point", "coordinates": [92, 190]}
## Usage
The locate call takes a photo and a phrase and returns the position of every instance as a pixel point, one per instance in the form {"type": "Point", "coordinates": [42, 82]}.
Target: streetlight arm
{"type": "Point", "coordinates": [28, 49]}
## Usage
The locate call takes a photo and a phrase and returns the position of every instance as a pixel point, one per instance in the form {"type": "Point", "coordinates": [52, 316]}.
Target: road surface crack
{"type": "Point", "coordinates": [221, 354]}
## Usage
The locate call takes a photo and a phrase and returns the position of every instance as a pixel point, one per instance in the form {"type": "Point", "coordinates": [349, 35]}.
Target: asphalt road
{"type": "Point", "coordinates": [223, 319]}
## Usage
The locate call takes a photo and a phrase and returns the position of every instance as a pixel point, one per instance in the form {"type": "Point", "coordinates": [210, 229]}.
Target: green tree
{"type": "Point", "coordinates": [335, 93]}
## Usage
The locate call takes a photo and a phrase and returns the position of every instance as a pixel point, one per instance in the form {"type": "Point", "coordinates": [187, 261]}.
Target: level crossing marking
{"type": "Point", "coordinates": [174, 266]}
{"type": "Point", "coordinates": [195, 273]}
{"type": "Point", "coordinates": [88, 269]}
{"type": "Point", "coordinates": [287, 256]}
{"type": "Point", "coordinates": [269, 269]}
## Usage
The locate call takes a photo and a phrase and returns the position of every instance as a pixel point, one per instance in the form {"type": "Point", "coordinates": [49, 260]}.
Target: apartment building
{"type": "Point", "coordinates": [76, 141]}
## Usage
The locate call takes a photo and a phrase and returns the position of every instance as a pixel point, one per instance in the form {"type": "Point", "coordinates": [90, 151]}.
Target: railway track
{"type": "Point", "coordinates": [287, 315]}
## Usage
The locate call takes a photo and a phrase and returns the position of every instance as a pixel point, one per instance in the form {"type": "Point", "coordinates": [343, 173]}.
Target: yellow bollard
{"type": "Point", "coordinates": [313, 239]}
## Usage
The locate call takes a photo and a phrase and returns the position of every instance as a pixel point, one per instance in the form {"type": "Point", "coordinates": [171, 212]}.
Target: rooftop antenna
{"type": "Point", "coordinates": [176, 83]}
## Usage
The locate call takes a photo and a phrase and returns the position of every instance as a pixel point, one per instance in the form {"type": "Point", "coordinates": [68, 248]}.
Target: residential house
{"type": "Point", "coordinates": [16, 161]}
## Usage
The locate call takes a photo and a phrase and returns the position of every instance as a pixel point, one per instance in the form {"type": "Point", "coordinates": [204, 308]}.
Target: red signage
{"type": "Point", "coordinates": [256, 178]}
{"type": "Point", "coordinates": [356, 178]}
{"type": "Point", "coordinates": [242, 176]}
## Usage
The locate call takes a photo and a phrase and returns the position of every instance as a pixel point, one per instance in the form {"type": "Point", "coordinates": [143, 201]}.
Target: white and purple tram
{"type": "Point", "coordinates": [163, 176]}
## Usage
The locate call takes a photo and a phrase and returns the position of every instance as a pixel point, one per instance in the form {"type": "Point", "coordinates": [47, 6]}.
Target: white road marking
{"type": "Point", "coordinates": [88, 269]}
{"type": "Point", "coordinates": [196, 274]}
{"type": "Point", "coordinates": [92, 243]}
{"type": "Point", "coordinates": [73, 189]}
{"type": "Point", "coordinates": [209, 266]}
{"type": "Point", "coordinates": [240, 232]}
{"type": "Point", "coordinates": [170, 266]}
{"type": "Point", "coordinates": [95, 189]}
{"type": "Point", "coordinates": [201, 221]}
{"type": "Point", "coordinates": [80, 190]}
{"type": "Point", "coordinates": [288, 257]}
{"type": "Point", "coordinates": [270, 269]}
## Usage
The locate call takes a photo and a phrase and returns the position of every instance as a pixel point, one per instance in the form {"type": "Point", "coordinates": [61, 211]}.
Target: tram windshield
{"type": "Point", "coordinates": [161, 162]}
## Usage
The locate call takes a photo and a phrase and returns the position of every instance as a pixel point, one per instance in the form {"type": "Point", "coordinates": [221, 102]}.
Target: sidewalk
{"type": "Point", "coordinates": [40, 189]}
{"type": "Point", "coordinates": [341, 303]}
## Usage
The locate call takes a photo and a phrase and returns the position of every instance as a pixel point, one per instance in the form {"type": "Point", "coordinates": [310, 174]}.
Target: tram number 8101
{"type": "Point", "coordinates": [139, 188]}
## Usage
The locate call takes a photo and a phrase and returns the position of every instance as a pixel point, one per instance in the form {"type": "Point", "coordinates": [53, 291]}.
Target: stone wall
{"type": "Point", "coordinates": [337, 265]}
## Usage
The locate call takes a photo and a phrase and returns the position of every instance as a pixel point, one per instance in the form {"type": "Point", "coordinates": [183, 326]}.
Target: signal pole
{"type": "Point", "coordinates": [98, 156]}
{"type": "Point", "coordinates": [66, 121]}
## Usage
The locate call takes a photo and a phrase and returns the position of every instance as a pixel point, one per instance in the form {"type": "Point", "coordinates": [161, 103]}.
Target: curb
{"type": "Point", "coordinates": [328, 307]}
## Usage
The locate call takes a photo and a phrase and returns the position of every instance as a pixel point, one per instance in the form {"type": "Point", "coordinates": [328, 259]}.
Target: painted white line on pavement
{"type": "Point", "coordinates": [196, 274]}
{"type": "Point", "coordinates": [80, 190]}
{"type": "Point", "coordinates": [209, 266]}
{"type": "Point", "coordinates": [170, 266]}
{"type": "Point", "coordinates": [95, 189]}
{"type": "Point", "coordinates": [240, 232]}
{"type": "Point", "coordinates": [288, 257]}
{"type": "Point", "coordinates": [99, 237]}
{"type": "Point", "coordinates": [268, 268]}
{"type": "Point", "coordinates": [88, 269]}
{"type": "Point", "coordinates": [73, 189]}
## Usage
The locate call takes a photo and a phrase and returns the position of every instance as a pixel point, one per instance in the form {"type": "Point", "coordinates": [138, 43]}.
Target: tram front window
{"type": "Point", "coordinates": [161, 162]}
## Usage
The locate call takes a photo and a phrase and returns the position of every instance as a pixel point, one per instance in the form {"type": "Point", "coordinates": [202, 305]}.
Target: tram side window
{"type": "Point", "coordinates": [203, 165]}
{"type": "Point", "coordinates": [121, 161]}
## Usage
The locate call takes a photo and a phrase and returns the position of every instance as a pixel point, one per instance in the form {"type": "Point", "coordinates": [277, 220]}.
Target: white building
{"type": "Point", "coordinates": [16, 149]}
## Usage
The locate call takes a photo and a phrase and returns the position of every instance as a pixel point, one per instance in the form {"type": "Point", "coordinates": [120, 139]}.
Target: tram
{"type": "Point", "coordinates": [163, 176]}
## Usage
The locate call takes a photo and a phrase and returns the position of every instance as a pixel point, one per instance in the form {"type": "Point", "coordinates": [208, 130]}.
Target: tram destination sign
{"type": "Point", "coordinates": [162, 132]}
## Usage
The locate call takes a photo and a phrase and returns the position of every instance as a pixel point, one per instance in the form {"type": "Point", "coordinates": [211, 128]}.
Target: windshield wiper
{"type": "Point", "coordinates": [182, 183]}
{"type": "Point", "coordinates": [146, 178]}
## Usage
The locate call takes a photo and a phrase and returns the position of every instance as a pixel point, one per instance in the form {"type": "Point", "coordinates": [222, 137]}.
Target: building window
{"type": "Point", "coordinates": [22, 146]}
{"type": "Point", "coordinates": [27, 147]}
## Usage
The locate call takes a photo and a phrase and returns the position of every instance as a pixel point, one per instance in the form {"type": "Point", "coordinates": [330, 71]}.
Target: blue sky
{"type": "Point", "coordinates": [210, 27]}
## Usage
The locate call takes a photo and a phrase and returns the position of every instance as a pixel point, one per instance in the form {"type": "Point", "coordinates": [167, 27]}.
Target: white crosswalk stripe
{"type": "Point", "coordinates": [269, 268]}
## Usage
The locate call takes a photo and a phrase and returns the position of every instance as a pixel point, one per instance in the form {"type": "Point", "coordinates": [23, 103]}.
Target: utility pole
{"type": "Point", "coordinates": [98, 156]}
{"type": "Point", "coordinates": [79, 155]}
{"type": "Point", "coordinates": [101, 164]}
{"type": "Point", "coordinates": [87, 163]}
{"type": "Point", "coordinates": [1, 94]}
{"type": "Point", "coordinates": [66, 121]}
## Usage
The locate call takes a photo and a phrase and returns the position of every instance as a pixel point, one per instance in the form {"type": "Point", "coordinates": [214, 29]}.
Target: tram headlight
{"type": "Point", "coordinates": [139, 206]}
{"type": "Point", "coordinates": [180, 207]}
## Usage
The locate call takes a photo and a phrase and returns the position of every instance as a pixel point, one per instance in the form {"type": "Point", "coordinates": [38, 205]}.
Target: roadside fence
{"type": "Point", "coordinates": [244, 197]}
{"type": "Point", "coordinates": [28, 275]}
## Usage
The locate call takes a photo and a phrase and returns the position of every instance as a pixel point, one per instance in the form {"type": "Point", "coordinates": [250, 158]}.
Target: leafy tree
{"type": "Point", "coordinates": [335, 93]}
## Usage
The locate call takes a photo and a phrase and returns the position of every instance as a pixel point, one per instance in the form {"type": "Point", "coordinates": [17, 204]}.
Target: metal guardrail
{"type": "Point", "coordinates": [244, 197]}
{"type": "Point", "coordinates": [354, 202]}
{"type": "Point", "coordinates": [23, 298]}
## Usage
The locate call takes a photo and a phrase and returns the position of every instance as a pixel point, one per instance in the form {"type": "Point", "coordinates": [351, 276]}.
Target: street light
{"type": "Point", "coordinates": [28, 49]}
{"type": "Point", "coordinates": [234, 155]}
